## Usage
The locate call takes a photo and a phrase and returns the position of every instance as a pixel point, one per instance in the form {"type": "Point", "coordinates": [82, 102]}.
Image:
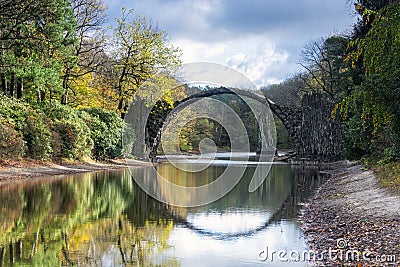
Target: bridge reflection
{"type": "Point", "coordinates": [97, 218]}
{"type": "Point", "coordinates": [279, 198]}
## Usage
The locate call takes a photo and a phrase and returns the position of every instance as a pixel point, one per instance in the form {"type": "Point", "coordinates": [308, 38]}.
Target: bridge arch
{"type": "Point", "coordinates": [290, 118]}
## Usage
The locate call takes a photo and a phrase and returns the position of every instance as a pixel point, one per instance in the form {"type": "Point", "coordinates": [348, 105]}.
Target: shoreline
{"type": "Point", "coordinates": [14, 171]}
{"type": "Point", "coordinates": [352, 213]}
{"type": "Point", "coordinates": [349, 212]}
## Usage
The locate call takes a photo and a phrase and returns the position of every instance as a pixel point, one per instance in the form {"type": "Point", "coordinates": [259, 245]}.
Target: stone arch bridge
{"type": "Point", "coordinates": [312, 132]}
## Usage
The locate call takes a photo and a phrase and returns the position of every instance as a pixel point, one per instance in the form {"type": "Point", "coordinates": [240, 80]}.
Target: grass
{"type": "Point", "coordinates": [389, 175]}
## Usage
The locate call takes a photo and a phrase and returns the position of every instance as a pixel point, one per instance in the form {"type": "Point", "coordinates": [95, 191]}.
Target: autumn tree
{"type": "Point", "coordinates": [372, 111]}
{"type": "Point", "coordinates": [325, 65]}
{"type": "Point", "coordinates": [88, 56]}
{"type": "Point", "coordinates": [141, 50]}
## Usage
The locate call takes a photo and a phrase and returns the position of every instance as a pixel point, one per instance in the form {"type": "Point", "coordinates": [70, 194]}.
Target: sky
{"type": "Point", "coordinates": [260, 38]}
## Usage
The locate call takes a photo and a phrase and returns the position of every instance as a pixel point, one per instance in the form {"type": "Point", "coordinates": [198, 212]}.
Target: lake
{"type": "Point", "coordinates": [106, 219]}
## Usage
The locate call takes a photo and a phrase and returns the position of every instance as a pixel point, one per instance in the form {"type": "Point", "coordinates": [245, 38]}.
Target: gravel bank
{"type": "Point", "coordinates": [354, 220]}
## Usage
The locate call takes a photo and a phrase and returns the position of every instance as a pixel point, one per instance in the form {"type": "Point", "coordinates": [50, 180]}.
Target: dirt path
{"type": "Point", "coordinates": [351, 213]}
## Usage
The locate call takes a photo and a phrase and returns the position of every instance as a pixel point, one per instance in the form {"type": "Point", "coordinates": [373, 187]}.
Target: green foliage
{"type": "Point", "coordinates": [11, 141]}
{"type": "Point", "coordinates": [355, 144]}
{"type": "Point", "coordinates": [30, 122]}
{"type": "Point", "coordinates": [15, 110]}
{"type": "Point", "coordinates": [282, 138]}
{"type": "Point", "coordinates": [287, 93]}
{"type": "Point", "coordinates": [38, 138]}
{"type": "Point", "coordinates": [52, 130]}
{"type": "Point", "coordinates": [388, 174]}
{"type": "Point", "coordinates": [76, 142]}
{"type": "Point", "coordinates": [195, 131]}
{"type": "Point", "coordinates": [141, 51]}
{"type": "Point", "coordinates": [247, 116]}
{"type": "Point", "coordinates": [35, 43]}
{"type": "Point", "coordinates": [52, 47]}
{"type": "Point", "coordinates": [106, 132]}
{"type": "Point", "coordinates": [373, 108]}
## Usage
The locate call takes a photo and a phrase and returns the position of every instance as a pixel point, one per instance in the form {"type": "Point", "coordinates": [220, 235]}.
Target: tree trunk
{"type": "Point", "coordinates": [121, 250]}
{"type": "Point", "coordinates": [2, 255]}
{"type": "Point", "coordinates": [66, 249]}
{"type": "Point", "coordinates": [12, 256]}
{"type": "Point", "coordinates": [121, 107]}
{"type": "Point", "coordinates": [19, 249]}
{"type": "Point", "coordinates": [12, 85]}
{"type": "Point", "coordinates": [4, 82]}
{"type": "Point", "coordinates": [42, 95]}
{"type": "Point", "coordinates": [34, 246]}
{"type": "Point", "coordinates": [38, 100]}
{"type": "Point", "coordinates": [20, 88]}
{"type": "Point", "coordinates": [64, 98]}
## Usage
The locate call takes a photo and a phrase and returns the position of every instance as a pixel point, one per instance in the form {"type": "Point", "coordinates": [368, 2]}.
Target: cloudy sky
{"type": "Point", "coordinates": [260, 38]}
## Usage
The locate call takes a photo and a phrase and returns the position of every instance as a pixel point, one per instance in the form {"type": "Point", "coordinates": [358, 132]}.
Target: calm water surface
{"type": "Point", "coordinates": [105, 219]}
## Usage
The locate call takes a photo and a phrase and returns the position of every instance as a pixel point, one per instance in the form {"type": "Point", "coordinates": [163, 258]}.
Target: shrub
{"type": "Point", "coordinates": [71, 135]}
{"type": "Point", "coordinates": [75, 143]}
{"type": "Point", "coordinates": [15, 110]}
{"type": "Point", "coordinates": [355, 139]}
{"type": "Point", "coordinates": [106, 132]}
{"type": "Point", "coordinates": [30, 122]}
{"type": "Point", "coordinates": [54, 130]}
{"type": "Point", "coordinates": [37, 137]}
{"type": "Point", "coordinates": [11, 141]}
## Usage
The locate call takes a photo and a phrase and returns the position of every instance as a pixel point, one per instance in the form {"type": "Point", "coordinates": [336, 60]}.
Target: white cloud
{"type": "Point", "coordinates": [260, 64]}
{"type": "Point", "coordinates": [262, 39]}
{"type": "Point", "coordinates": [199, 51]}
{"type": "Point", "coordinates": [254, 56]}
{"type": "Point", "coordinates": [218, 20]}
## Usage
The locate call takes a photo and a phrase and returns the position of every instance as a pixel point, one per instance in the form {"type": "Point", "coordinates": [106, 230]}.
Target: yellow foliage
{"type": "Point", "coordinates": [89, 91]}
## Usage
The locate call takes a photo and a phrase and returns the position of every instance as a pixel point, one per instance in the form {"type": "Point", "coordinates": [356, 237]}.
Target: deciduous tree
{"type": "Point", "coordinates": [141, 50]}
{"type": "Point", "coordinates": [88, 56]}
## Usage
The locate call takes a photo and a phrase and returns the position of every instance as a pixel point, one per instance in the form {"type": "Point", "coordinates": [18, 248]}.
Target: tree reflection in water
{"type": "Point", "coordinates": [87, 220]}
{"type": "Point", "coordinates": [105, 219]}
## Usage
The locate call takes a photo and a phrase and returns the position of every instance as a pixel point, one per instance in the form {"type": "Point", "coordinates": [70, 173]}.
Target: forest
{"type": "Point", "coordinates": [67, 77]}
{"type": "Point", "coordinates": [68, 74]}
{"type": "Point", "coordinates": [359, 73]}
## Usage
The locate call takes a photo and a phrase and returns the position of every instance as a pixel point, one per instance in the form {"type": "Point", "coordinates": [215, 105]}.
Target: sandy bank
{"type": "Point", "coordinates": [21, 170]}
{"type": "Point", "coordinates": [349, 214]}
